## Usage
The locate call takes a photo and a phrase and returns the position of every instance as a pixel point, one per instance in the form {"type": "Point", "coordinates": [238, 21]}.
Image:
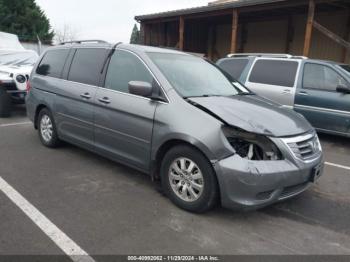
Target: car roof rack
{"type": "Point", "coordinates": [84, 41]}
{"type": "Point", "coordinates": [271, 55]}
{"type": "Point", "coordinates": [299, 57]}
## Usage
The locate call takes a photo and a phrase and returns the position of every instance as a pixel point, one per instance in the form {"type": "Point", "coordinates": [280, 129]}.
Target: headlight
{"type": "Point", "coordinates": [21, 79]}
{"type": "Point", "coordinates": [318, 143]}
{"type": "Point", "coordinates": [252, 146]}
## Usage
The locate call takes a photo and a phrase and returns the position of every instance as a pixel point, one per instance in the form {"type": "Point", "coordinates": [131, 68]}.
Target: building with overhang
{"type": "Point", "coordinates": [313, 28]}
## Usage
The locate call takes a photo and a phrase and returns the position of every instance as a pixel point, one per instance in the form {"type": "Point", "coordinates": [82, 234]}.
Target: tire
{"type": "Point", "coordinates": [47, 129]}
{"type": "Point", "coordinates": [201, 191]}
{"type": "Point", "coordinates": [5, 103]}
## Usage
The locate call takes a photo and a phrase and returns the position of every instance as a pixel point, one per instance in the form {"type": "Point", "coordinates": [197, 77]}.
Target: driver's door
{"type": "Point", "coordinates": [320, 102]}
{"type": "Point", "coordinates": [124, 122]}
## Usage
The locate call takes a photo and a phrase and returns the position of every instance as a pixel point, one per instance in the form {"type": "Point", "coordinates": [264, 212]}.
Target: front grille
{"type": "Point", "coordinates": [304, 147]}
{"type": "Point", "coordinates": [9, 86]}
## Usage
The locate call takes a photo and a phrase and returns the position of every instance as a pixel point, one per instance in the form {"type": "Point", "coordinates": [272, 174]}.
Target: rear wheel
{"type": "Point", "coordinates": [5, 103]}
{"type": "Point", "coordinates": [189, 180]}
{"type": "Point", "coordinates": [47, 129]}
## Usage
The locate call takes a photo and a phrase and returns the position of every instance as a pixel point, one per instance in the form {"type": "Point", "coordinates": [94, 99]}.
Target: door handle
{"type": "Point", "coordinates": [286, 91]}
{"type": "Point", "coordinates": [104, 100]}
{"type": "Point", "coordinates": [303, 93]}
{"type": "Point", "coordinates": [86, 96]}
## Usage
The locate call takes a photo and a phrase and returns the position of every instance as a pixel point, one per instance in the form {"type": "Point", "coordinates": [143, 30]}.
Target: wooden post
{"type": "Point", "coordinates": [165, 32]}
{"type": "Point", "coordinates": [290, 34]}
{"type": "Point", "coordinates": [146, 34]}
{"type": "Point", "coordinates": [159, 34]}
{"type": "Point", "coordinates": [142, 34]}
{"type": "Point", "coordinates": [181, 32]}
{"type": "Point", "coordinates": [234, 31]}
{"type": "Point", "coordinates": [210, 42]}
{"type": "Point", "coordinates": [309, 26]}
{"type": "Point", "coordinates": [243, 38]}
{"type": "Point", "coordinates": [346, 37]}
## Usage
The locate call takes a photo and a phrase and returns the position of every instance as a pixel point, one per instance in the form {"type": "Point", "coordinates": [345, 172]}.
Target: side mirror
{"type": "Point", "coordinates": [140, 88]}
{"type": "Point", "coordinates": [343, 89]}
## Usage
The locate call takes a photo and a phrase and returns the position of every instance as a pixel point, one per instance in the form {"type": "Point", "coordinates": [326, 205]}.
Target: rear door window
{"type": "Point", "coordinates": [52, 63]}
{"type": "Point", "coordinates": [234, 67]}
{"type": "Point", "coordinates": [274, 72]}
{"type": "Point", "coordinates": [87, 65]}
{"type": "Point", "coordinates": [322, 77]}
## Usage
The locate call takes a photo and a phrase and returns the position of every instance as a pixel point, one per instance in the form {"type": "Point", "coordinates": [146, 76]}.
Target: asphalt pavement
{"type": "Point", "coordinates": [70, 197]}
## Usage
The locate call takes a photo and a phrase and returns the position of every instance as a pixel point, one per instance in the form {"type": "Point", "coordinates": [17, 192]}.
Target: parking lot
{"type": "Point", "coordinates": [105, 208]}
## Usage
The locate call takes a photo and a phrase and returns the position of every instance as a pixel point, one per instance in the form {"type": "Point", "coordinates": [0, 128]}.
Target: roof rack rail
{"type": "Point", "coordinates": [84, 41]}
{"type": "Point", "coordinates": [300, 57]}
{"type": "Point", "coordinates": [260, 55]}
{"type": "Point", "coordinates": [271, 55]}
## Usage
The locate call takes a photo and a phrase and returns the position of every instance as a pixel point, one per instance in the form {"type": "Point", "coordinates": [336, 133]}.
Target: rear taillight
{"type": "Point", "coordinates": [28, 86]}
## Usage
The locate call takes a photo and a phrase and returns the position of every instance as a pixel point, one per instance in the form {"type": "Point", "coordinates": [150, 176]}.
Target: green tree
{"type": "Point", "coordinates": [25, 19]}
{"type": "Point", "coordinates": [135, 35]}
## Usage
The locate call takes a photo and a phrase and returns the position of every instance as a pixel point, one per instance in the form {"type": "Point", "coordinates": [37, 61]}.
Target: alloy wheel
{"type": "Point", "coordinates": [46, 128]}
{"type": "Point", "coordinates": [186, 179]}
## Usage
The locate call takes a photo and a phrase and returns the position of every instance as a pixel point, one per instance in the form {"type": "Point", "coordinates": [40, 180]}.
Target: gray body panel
{"type": "Point", "coordinates": [132, 130]}
{"type": "Point", "coordinates": [123, 128]}
{"type": "Point", "coordinates": [75, 114]}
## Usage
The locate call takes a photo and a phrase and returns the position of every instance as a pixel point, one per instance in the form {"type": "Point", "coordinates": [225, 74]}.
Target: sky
{"type": "Point", "coordinates": [110, 20]}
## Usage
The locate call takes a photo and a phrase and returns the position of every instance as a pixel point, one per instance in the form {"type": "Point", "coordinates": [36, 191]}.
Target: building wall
{"type": "Point", "coordinates": [213, 37]}
{"type": "Point", "coordinates": [268, 37]}
{"type": "Point", "coordinates": [271, 37]}
{"type": "Point", "coordinates": [323, 47]}
{"type": "Point", "coordinates": [223, 41]}
{"type": "Point", "coordinates": [197, 36]}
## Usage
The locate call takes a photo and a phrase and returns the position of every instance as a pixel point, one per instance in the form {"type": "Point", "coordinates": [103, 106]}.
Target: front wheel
{"type": "Point", "coordinates": [189, 180]}
{"type": "Point", "coordinates": [47, 129]}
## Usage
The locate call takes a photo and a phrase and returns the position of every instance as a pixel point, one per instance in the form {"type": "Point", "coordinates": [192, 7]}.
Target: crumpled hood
{"type": "Point", "coordinates": [255, 114]}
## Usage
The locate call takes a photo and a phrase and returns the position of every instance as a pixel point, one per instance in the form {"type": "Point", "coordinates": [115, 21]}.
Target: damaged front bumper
{"type": "Point", "coordinates": [247, 184]}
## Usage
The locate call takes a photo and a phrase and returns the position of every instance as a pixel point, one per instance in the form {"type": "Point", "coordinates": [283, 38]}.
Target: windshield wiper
{"type": "Point", "coordinates": [246, 94]}
{"type": "Point", "coordinates": [206, 95]}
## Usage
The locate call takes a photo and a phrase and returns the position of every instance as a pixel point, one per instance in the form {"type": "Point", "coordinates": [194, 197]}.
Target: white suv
{"type": "Point", "coordinates": [318, 89]}
{"type": "Point", "coordinates": [16, 64]}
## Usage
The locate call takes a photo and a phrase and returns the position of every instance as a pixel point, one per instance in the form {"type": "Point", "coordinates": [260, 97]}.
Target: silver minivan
{"type": "Point", "coordinates": [176, 117]}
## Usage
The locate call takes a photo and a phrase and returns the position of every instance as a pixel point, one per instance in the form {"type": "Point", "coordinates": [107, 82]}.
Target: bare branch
{"type": "Point", "coordinates": [66, 33]}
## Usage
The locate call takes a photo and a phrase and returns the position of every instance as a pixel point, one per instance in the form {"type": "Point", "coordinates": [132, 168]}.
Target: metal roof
{"type": "Point", "coordinates": [206, 8]}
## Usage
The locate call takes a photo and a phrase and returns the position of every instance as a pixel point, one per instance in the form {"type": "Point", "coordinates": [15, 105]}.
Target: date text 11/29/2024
{"type": "Point", "coordinates": [173, 258]}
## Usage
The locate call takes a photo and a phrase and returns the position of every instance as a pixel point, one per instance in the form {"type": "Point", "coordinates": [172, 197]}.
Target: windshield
{"type": "Point", "coordinates": [18, 58]}
{"type": "Point", "coordinates": [194, 77]}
